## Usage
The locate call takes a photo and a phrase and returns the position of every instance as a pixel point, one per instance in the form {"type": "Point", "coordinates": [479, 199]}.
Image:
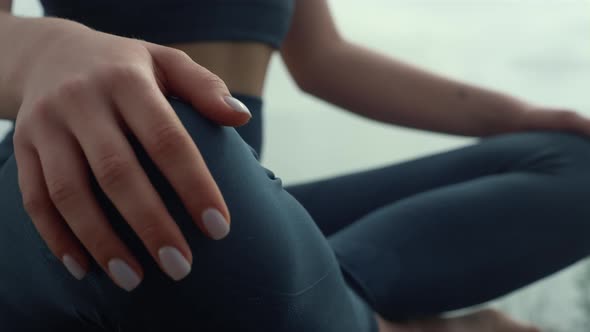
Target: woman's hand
{"type": "Point", "coordinates": [534, 117]}
{"type": "Point", "coordinates": [80, 96]}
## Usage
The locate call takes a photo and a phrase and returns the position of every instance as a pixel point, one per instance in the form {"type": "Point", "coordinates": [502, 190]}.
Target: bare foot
{"type": "Point", "coordinates": [488, 320]}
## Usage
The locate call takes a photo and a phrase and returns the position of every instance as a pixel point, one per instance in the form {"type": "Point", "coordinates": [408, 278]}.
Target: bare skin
{"type": "Point", "coordinates": [242, 66]}
{"type": "Point", "coordinates": [488, 320]}
{"type": "Point", "coordinates": [227, 60]}
{"type": "Point", "coordinates": [419, 99]}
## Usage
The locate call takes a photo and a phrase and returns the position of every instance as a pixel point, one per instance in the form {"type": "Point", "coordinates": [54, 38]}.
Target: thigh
{"type": "Point", "coordinates": [461, 227]}
{"type": "Point", "coordinates": [335, 203]}
{"type": "Point", "coordinates": [36, 293]}
{"type": "Point", "coordinates": [274, 272]}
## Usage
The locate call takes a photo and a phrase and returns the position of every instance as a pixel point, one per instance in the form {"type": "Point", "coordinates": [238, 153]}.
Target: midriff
{"type": "Point", "coordinates": [241, 65]}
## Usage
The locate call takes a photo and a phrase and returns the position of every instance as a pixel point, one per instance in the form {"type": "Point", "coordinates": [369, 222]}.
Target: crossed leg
{"type": "Point", "coordinates": [458, 228]}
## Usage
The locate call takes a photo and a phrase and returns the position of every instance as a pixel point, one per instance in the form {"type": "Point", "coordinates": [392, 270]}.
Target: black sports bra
{"type": "Point", "coordinates": [179, 21]}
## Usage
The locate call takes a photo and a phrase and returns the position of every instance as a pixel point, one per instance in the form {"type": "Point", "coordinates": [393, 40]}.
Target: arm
{"type": "Point", "coordinates": [325, 65]}
{"type": "Point", "coordinates": [6, 5]}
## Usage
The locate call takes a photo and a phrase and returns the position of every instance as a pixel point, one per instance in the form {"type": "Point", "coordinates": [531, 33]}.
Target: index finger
{"type": "Point", "coordinates": [153, 121]}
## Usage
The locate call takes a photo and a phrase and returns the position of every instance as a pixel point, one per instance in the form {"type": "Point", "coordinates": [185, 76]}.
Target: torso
{"type": "Point", "coordinates": [241, 65]}
{"type": "Point", "coordinates": [232, 38]}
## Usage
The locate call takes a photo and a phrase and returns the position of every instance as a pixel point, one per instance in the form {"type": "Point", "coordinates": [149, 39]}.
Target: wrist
{"type": "Point", "coordinates": [29, 38]}
{"type": "Point", "coordinates": [505, 115]}
{"type": "Point", "coordinates": [516, 115]}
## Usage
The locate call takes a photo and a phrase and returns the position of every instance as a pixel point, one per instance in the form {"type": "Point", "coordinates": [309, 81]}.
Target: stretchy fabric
{"type": "Point", "coordinates": [180, 21]}
{"type": "Point", "coordinates": [441, 232]}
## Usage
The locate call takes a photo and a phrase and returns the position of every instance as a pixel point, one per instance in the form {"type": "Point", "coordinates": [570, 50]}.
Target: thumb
{"type": "Point", "coordinates": [205, 91]}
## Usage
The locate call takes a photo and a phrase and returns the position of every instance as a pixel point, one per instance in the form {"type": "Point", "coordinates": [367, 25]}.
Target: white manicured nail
{"type": "Point", "coordinates": [174, 263]}
{"type": "Point", "coordinates": [73, 267]}
{"type": "Point", "coordinates": [215, 224]}
{"type": "Point", "coordinates": [123, 274]}
{"type": "Point", "coordinates": [237, 105]}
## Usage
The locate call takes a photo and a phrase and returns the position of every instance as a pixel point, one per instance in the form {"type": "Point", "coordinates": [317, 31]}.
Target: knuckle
{"type": "Point", "coordinates": [41, 108]}
{"type": "Point", "coordinates": [61, 191]}
{"type": "Point", "coordinates": [112, 169]}
{"type": "Point", "coordinates": [19, 137]}
{"type": "Point", "coordinates": [149, 231]}
{"type": "Point", "coordinates": [34, 204]}
{"type": "Point", "coordinates": [72, 88]}
{"type": "Point", "coordinates": [214, 81]}
{"type": "Point", "coordinates": [167, 140]}
{"type": "Point", "coordinates": [135, 49]}
{"type": "Point", "coordinates": [180, 54]}
{"type": "Point", "coordinates": [122, 74]}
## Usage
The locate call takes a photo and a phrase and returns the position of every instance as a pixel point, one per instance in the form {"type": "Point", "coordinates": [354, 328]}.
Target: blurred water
{"type": "Point", "coordinates": [536, 49]}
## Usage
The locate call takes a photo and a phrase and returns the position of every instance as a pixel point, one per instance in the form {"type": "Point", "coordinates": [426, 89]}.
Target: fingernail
{"type": "Point", "coordinates": [237, 105]}
{"type": "Point", "coordinates": [123, 274]}
{"type": "Point", "coordinates": [174, 263]}
{"type": "Point", "coordinates": [215, 223]}
{"type": "Point", "coordinates": [73, 267]}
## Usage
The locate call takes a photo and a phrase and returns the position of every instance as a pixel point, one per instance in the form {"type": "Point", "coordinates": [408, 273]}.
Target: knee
{"type": "Point", "coordinates": [551, 152]}
{"type": "Point", "coordinates": [261, 259]}
{"type": "Point", "coordinates": [255, 200]}
{"type": "Point", "coordinates": [571, 149]}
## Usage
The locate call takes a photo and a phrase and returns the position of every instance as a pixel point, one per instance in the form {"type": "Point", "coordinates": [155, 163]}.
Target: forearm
{"type": "Point", "coordinates": [21, 41]}
{"type": "Point", "coordinates": [381, 88]}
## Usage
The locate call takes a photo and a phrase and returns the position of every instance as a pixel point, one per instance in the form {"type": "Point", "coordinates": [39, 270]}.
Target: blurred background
{"type": "Point", "coordinates": [538, 50]}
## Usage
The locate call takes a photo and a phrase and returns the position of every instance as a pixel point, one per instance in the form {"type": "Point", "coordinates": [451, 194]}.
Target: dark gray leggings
{"type": "Point", "coordinates": [417, 238]}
